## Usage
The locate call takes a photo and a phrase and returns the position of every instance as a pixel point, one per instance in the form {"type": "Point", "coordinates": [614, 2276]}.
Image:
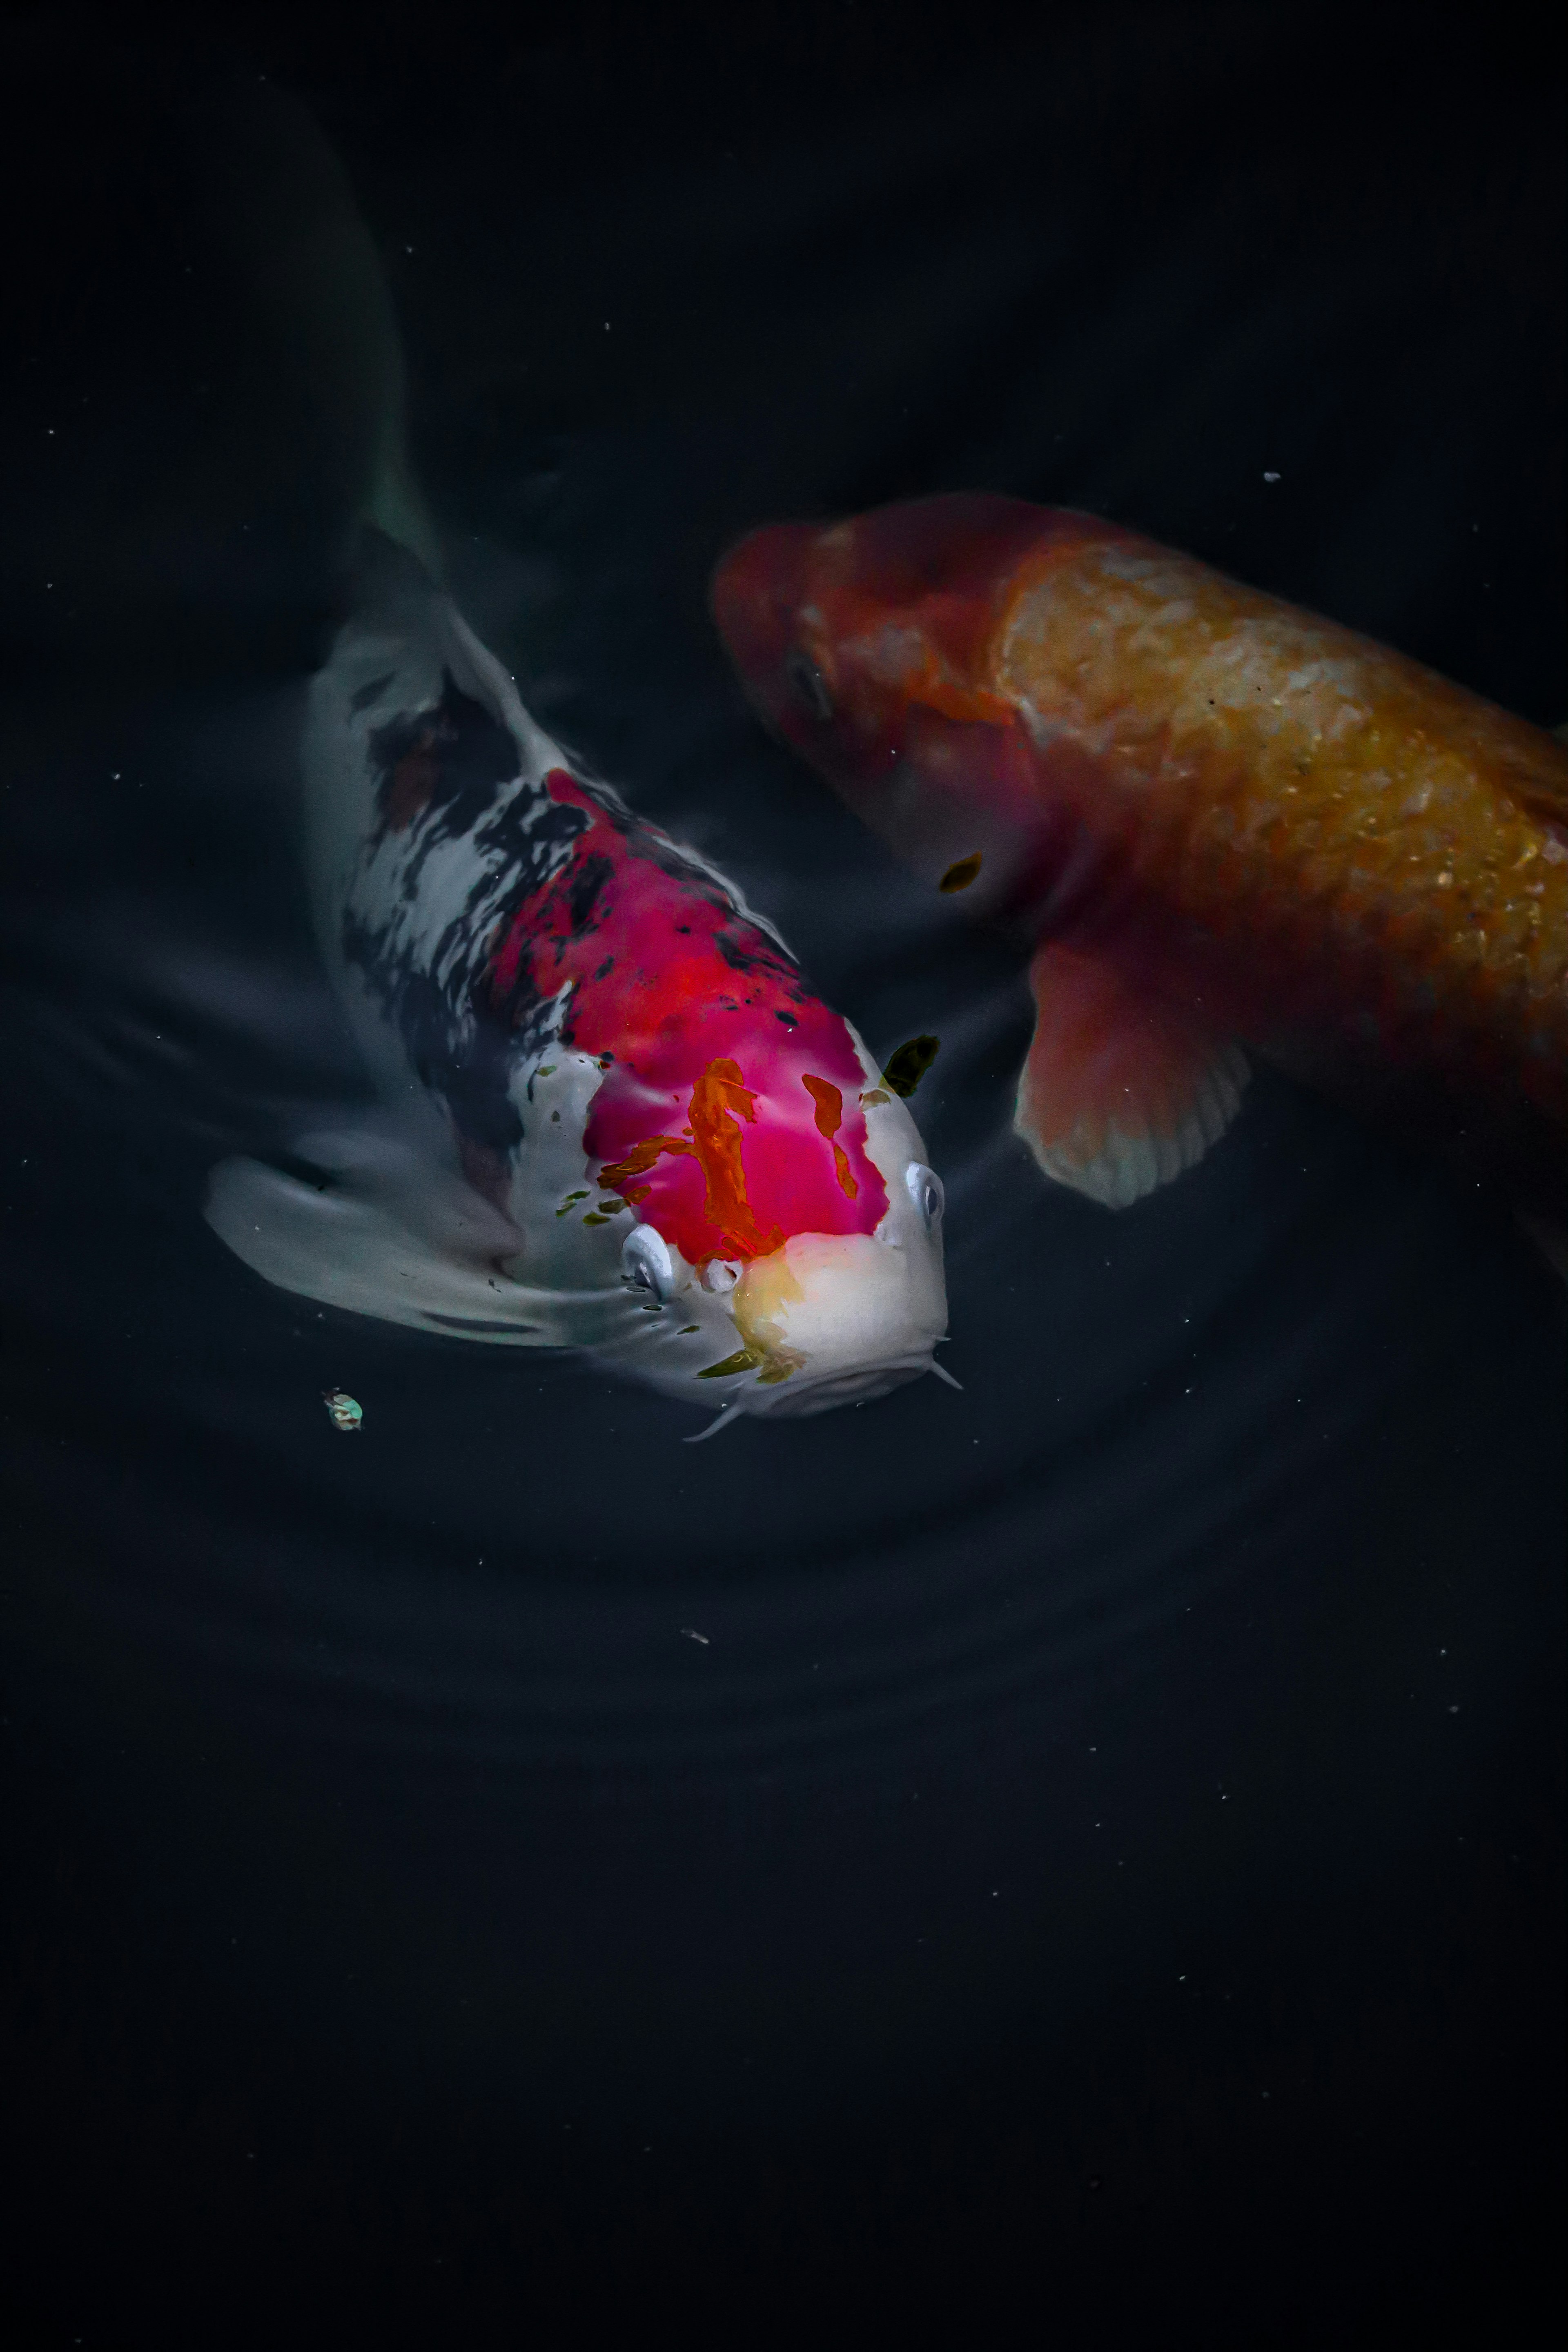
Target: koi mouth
{"type": "Point", "coordinates": [797, 1402]}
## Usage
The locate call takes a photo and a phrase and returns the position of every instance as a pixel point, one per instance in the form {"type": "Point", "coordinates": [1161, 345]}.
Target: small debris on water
{"type": "Point", "coordinates": [692, 1635]}
{"type": "Point", "coordinates": [347, 1411]}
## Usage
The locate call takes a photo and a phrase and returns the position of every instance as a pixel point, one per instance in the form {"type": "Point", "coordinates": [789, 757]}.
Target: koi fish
{"type": "Point", "coordinates": [1221, 823]}
{"type": "Point", "coordinates": [626, 1123]}
{"type": "Point", "coordinates": [616, 1117]}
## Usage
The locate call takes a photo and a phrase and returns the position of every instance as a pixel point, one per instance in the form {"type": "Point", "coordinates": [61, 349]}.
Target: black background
{"type": "Point", "coordinates": [1099, 1879]}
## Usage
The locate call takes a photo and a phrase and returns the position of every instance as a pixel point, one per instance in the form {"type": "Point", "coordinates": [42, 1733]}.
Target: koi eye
{"type": "Point", "coordinates": [646, 1265]}
{"type": "Point", "coordinates": [807, 685]}
{"type": "Point", "coordinates": [720, 1275]}
{"type": "Point", "coordinates": [925, 1190]}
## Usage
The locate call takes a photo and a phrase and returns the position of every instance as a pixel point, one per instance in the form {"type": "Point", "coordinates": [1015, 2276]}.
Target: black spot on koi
{"type": "Point", "coordinates": [908, 1065]}
{"type": "Point", "coordinates": [587, 881]}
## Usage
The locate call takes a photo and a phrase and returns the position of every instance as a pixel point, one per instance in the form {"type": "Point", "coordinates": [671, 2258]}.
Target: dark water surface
{"type": "Point", "coordinates": [1097, 1876]}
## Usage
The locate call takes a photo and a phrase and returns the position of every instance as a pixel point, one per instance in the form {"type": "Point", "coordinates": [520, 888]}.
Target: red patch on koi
{"type": "Point", "coordinates": [685, 995]}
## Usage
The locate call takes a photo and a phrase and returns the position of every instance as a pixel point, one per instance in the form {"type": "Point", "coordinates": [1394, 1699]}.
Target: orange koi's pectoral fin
{"type": "Point", "coordinates": [971, 705]}
{"type": "Point", "coordinates": [1121, 1090]}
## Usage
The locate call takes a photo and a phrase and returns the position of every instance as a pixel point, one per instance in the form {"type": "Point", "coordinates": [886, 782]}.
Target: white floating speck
{"type": "Point", "coordinates": [1271, 478]}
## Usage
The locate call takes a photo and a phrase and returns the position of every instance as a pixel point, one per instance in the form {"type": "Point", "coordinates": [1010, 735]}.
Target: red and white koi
{"type": "Point", "coordinates": [620, 1121]}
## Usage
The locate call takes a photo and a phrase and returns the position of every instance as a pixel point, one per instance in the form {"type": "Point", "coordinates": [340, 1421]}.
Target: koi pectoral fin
{"type": "Point", "coordinates": [349, 1247]}
{"type": "Point", "coordinates": [1121, 1090]}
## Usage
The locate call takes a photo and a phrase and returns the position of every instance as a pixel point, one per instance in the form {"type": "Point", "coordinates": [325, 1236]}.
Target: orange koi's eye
{"type": "Point", "coordinates": [807, 685]}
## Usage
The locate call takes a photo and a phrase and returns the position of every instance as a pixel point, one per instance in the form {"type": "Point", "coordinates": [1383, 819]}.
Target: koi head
{"type": "Point", "coordinates": [787, 1243]}
{"type": "Point", "coordinates": [869, 647]}
{"type": "Point", "coordinates": [822, 1320]}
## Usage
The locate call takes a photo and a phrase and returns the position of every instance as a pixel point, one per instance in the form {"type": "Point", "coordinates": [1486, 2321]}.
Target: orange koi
{"type": "Point", "coordinates": [1221, 822]}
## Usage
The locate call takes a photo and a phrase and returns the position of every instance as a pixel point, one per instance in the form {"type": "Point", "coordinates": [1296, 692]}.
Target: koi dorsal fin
{"type": "Point", "coordinates": [1121, 1090]}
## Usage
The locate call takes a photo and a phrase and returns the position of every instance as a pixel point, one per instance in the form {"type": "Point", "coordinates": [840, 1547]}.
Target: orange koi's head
{"type": "Point", "coordinates": [869, 647]}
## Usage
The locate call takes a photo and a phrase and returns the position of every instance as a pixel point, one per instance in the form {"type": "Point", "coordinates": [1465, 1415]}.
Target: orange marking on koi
{"type": "Point", "coordinates": [829, 1101]}
{"type": "Point", "coordinates": [717, 1094]}
{"type": "Point", "coordinates": [639, 1160]}
{"type": "Point", "coordinates": [713, 1138]}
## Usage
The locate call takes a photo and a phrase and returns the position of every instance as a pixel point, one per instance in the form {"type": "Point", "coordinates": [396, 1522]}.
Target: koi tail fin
{"type": "Point", "coordinates": [317, 276]}
{"type": "Point", "coordinates": [1121, 1090]}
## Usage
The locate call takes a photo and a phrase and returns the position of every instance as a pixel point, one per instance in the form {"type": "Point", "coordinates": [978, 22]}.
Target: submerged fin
{"type": "Point", "coordinates": [408, 1245]}
{"type": "Point", "coordinates": [1122, 1091]}
{"type": "Point", "coordinates": [351, 1251]}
